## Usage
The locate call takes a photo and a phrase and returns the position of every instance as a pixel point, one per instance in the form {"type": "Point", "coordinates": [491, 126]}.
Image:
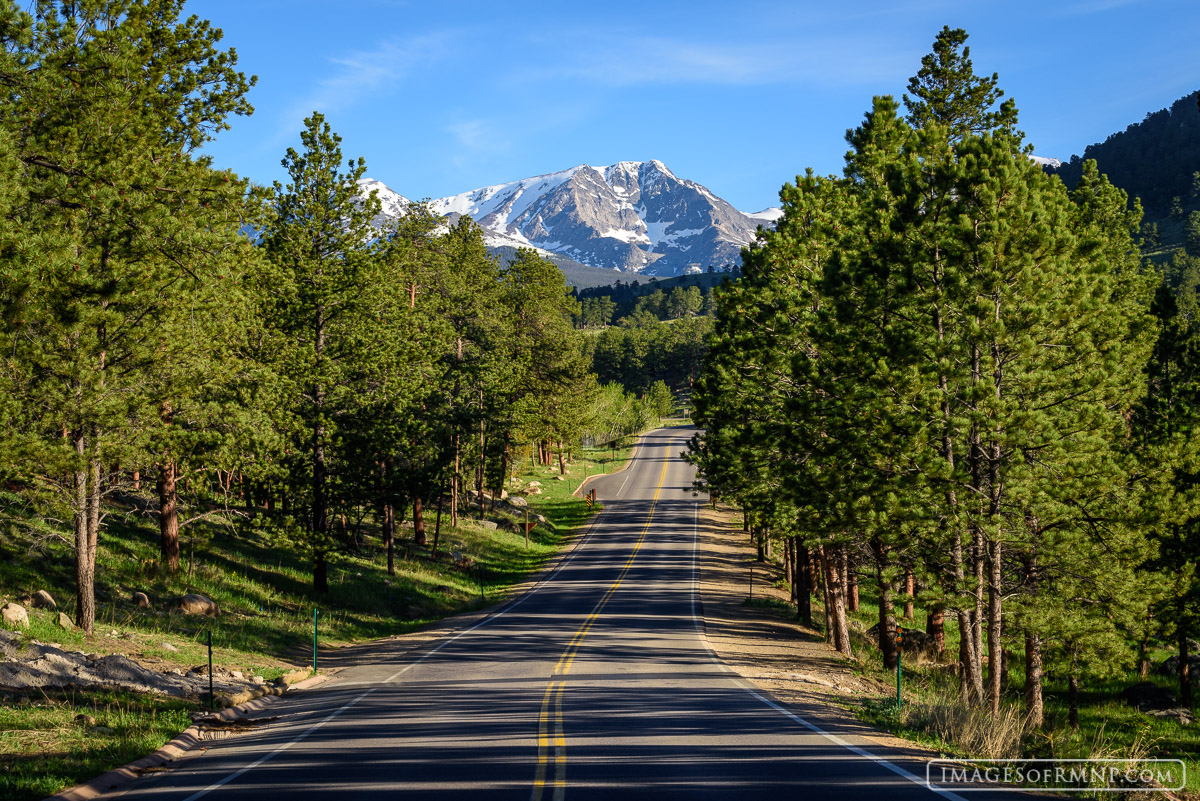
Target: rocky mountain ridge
{"type": "Point", "coordinates": [636, 217]}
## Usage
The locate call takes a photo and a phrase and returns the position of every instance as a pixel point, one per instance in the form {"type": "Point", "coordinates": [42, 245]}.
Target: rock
{"type": "Point", "coordinates": [489, 525]}
{"type": "Point", "coordinates": [166, 646]}
{"type": "Point", "coordinates": [141, 600]}
{"type": "Point", "coordinates": [535, 483]}
{"type": "Point", "coordinates": [534, 491]}
{"type": "Point", "coordinates": [43, 600]}
{"type": "Point", "coordinates": [1148, 696]}
{"type": "Point", "coordinates": [194, 604]}
{"type": "Point", "coordinates": [1178, 714]}
{"type": "Point", "coordinates": [517, 502]}
{"type": "Point", "coordinates": [504, 495]}
{"type": "Point", "coordinates": [237, 674]}
{"type": "Point", "coordinates": [85, 720]}
{"type": "Point", "coordinates": [560, 478]}
{"type": "Point", "coordinates": [540, 519]}
{"type": "Point", "coordinates": [14, 615]}
{"type": "Point", "coordinates": [256, 679]}
{"type": "Point", "coordinates": [1170, 667]}
{"type": "Point", "coordinates": [64, 621]}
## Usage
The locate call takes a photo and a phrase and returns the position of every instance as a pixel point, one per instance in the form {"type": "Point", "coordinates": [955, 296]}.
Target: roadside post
{"type": "Point", "coordinates": [212, 699]}
{"type": "Point", "coordinates": [899, 660]}
{"type": "Point", "coordinates": [527, 528]}
{"type": "Point", "coordinates": [751, 582]}
{"type": "Point", "coordinates": [316, 614]}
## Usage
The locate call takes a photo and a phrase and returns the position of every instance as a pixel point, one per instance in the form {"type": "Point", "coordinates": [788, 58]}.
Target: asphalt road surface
{"type": "Point", "coordinates": [598, 684]}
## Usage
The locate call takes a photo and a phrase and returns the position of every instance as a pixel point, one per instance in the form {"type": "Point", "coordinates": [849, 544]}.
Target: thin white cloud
{"type": "Point", "coordinates": [367, 72]}
{"type": "Point", "coordinates": [616, 60]}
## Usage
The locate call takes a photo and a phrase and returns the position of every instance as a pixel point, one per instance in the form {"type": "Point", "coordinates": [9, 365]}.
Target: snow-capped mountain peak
{"type": "Point", "coordinates": [632, 216]}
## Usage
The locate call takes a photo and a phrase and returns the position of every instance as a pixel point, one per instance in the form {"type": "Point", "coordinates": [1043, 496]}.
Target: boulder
{"type": "Point", "coordinates": [195, 604]}
{"type": "Point", "coordinates": [535, 483]}
{"type": "Point", "coordinates": [1178, 714]}
{"type": "Point", "coordinates": [560, 478]}
{"type": "Point", "coordinates": [14, 615]}
{"type": "Point", "coordinates": [141, 600]}
{"type": "Point", "coordinates": [1148, 696]}
{"type": "Point", "coordinates": [503, 494]}
{"type": "Point", "coordinates": [43, 600]}
{"type": "Point", "coordinates": [534, 491]}
{"type": "Point", "coordinates": [1170, 667]}
{"type": "Point", "coordinates": [64, 621]}
{"type": "Point", "coordinates": [166, 646]}
{"type": "Point", "coordinates": [540, 519]}
{"type": "Point", "coordinates": [517, 502]}
{"type": "Point", "coordinates": [489, 525]}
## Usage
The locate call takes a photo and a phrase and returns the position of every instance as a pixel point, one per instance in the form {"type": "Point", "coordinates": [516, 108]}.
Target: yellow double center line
{"type": "Point", "coordinates": [552, 741]}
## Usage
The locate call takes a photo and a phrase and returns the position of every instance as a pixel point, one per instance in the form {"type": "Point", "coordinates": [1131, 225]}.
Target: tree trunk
{"type": "Point", "coordinates": [804, 585]}
{"type": "Point", "coordinates": [1073, 699]}
{"type": "Point", "coordinates": [168, 515]}
{"type": "Point", "coordinates": [454, 484]}
{"type": "Point", "coordinates": [826, 597]}
{"type": "Point", "coordinates": [910, 590]}
{"type": "Point", "coordinates": [935, 627]}
{"type": "Point", "coordinates": [85, 591]}
{"type": "Point", "coordinates": [1185, 668]}
{"type": "Point", "coordinates": [389, 535]}
{"type": "Point", "coordinates": [418, 522]}
{"type": "Point", "coordinates": [437, 521]}
{"type": "Point", "coordinates": [852, 584]}
{"type": "Point", "coordinates": [887, 612]}
{"type": "Point", "coordinates": [1034, 707]}
{"type": "Point", "coordinates": [995, 643]}
{"type": "Point", "coordinates": [837, 596]}
{"type": "Point", "coordinates": [320, 573]}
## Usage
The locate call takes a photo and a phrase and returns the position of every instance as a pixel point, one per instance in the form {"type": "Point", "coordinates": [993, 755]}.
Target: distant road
{"type": "Point", "coordinates": [595, 685]}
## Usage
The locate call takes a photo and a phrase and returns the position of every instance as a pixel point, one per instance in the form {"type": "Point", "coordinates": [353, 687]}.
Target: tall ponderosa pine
{"type": "Point", "coordinates": [320, 243]}
{"type": "Point", "coordinates": [108, 101]}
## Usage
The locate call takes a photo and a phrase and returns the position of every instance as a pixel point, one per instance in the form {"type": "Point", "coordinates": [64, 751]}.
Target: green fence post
{"type": "Point", "coordinates": [212, 699]}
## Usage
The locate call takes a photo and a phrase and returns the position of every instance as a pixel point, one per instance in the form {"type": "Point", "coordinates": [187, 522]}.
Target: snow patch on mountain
{"type": "Point", "coordinates": [1046, 161]}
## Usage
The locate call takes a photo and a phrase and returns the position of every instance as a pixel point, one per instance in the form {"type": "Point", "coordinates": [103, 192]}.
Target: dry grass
{"type": "Point", "coordinates": [942, 715]}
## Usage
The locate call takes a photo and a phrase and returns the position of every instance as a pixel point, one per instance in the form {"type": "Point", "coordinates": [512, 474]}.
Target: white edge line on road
{"type": "Point", "coordinates": [511, 606]}
{"type": "Point", "coordinates": [265, 757]}
{"type": "Point", "coordinates": [712, 655]}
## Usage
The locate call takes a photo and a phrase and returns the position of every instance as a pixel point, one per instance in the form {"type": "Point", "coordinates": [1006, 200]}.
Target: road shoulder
{"type": "Point", "coordinates": [765, 648]}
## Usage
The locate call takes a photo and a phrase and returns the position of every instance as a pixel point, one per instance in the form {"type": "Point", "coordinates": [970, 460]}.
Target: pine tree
{"type": "Point", "coordinates": [320, 245]}
{"type": "Point", "coordinates": [109, 101]}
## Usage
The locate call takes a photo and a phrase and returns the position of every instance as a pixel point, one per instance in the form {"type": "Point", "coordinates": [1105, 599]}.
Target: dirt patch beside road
{"type": "Point", "coordinates": [764, 646]}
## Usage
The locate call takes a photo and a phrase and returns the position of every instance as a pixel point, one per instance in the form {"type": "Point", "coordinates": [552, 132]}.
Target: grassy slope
{"type": "Point", "coordinates": [266, 623]}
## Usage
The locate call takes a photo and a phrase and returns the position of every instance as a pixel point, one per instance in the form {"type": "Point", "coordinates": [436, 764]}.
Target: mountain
{"type": "Point", "coordinates": [1153, 159]}
{"type": "Point", "coordinates": [631, 216]}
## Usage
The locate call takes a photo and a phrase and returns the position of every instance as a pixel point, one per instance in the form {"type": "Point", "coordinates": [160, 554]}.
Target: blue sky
{"type": "Point", "coordinates": [440, 98]}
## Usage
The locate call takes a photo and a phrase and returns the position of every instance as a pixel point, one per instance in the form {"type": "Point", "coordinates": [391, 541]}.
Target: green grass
{"type": "Point", "coordinates": [45, 748]}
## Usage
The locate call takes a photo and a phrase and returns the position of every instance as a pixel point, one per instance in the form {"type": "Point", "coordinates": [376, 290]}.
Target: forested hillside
{"type": "Point", "coordinates": [1154, 160]}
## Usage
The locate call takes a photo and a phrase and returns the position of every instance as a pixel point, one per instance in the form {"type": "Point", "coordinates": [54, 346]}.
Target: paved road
{"type": "Point", "coordinates": [597, 685]}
